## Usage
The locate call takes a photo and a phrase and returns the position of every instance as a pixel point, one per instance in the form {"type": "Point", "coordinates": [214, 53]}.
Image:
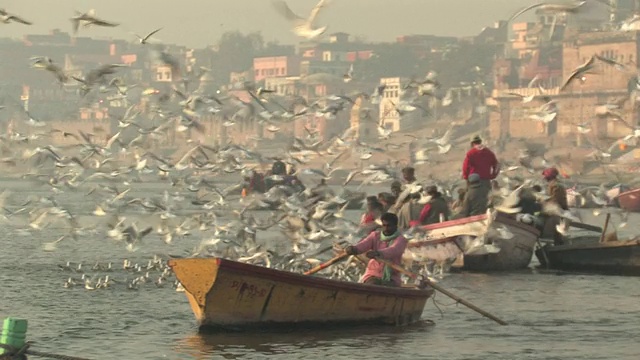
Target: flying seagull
{"type": "Point", "coordinates": [143, 40]}
{"type": "Point", "coordinates": [585, 68]}
{"type": "Point", "coordinates": [551, 7]}
{"type": "Point", "coordinates": [302, 27]}
{"type": "Point", "coordinates": [45, 62]}
{"type": "Point", "coordinates": [7, 18]}
{"type": "Point", "coordinates": [87, 19]}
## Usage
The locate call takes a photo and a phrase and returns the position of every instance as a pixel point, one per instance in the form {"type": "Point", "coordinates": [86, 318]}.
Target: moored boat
{"type": "Point", "coordinates": [225, 294]}
{"type": "Point", "coordinates": [630, 200]}
{"type": "Point", "coordinates": [489, 242]}
{"type": "Point", "coordinates": [588, 254]}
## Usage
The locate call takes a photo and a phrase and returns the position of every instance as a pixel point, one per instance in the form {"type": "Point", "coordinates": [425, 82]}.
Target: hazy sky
{"type": "Point", "coordinates": [197, 23]}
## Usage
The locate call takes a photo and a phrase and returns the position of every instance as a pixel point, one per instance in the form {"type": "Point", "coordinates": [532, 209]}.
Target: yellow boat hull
{"type": "Point", "coordinates": [229, 294]}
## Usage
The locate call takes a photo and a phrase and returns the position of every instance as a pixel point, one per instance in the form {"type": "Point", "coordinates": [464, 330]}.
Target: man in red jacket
{"type": "Point", "coordinates": [482, 161]}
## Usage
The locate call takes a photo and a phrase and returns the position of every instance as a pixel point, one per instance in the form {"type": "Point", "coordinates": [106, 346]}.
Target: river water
{"type": "Point", "coordinates": [552, 315]}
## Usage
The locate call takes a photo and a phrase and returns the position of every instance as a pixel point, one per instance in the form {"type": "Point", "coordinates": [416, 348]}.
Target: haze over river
{"type": "Point", "coordinates": [552, 315]}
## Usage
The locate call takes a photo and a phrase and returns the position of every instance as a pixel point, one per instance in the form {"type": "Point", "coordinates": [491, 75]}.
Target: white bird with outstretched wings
{"type": "Point", "coordinates": [302, 27]}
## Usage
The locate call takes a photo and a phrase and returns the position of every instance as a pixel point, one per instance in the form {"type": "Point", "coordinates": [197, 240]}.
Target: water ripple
{"type": "Point", "coordinates": [552, 315]}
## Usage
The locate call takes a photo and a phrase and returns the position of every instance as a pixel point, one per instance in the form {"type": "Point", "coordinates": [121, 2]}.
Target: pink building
{"type": "Point", "coordinates": [274, 66]}
{"type": "Point", "coordinates": [352, 56]}
{"type": "Point", "coordinates": [309, 53]}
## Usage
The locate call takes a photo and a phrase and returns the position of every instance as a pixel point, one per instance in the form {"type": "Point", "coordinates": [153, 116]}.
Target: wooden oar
{"type": "Point", "coordinates": [327, 264]}
{"type": "Point", "coordinates": [604, 229]}
{"type": "Point", "coordinates": [440, 289]}
{"type": "Point", "coordinates": [584, 226]}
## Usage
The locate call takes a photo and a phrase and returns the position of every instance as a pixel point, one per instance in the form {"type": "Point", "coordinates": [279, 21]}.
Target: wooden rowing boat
{"type": "Point", "coordinates": [588, 254]}
{"type": "Point", "coordinates": [630, 200]}
{"type": "Point", "coordinates": [489, 242]}
{"type": "Point", "coordinates": [225, 294]}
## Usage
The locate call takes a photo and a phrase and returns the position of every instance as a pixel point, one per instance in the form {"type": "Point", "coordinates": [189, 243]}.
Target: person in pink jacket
{"type": "Point", "coordinates": [388, 244]}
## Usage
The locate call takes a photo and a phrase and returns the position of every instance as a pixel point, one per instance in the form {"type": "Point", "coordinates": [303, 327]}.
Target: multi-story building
{"type": "Point", "coordinates": [621, 47]}
{"type": "Point", "coordinates": [364, 123]}
{"type": "Point", "coordinates": [164, 74]}
{"type": "Point", "coordinates": [495, 34]}
{"type": "Point", "coordinates": [389, 116]}
{"type": "Point", "coordinates": [283, 86]}
{"type": "Point", "coordinates": [577, 103]}
{"type": "Point", "coordinates": [338, 48]}
{"type": "Point", "coordinates": [275, 66]}
{"type": "Point", "coordinates": [519, 34]}
{"type": "Point", "coordinates": [334, 67]}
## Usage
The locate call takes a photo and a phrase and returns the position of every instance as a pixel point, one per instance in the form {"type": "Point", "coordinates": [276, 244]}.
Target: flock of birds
{"type": "Point", "coordinates": [197, 202]}
{"type": "Point", "coordinates": [107, 275]}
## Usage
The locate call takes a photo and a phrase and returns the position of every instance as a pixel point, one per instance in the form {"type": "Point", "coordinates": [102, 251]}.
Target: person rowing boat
{"type": "Point", "coordinates": [388, 244]}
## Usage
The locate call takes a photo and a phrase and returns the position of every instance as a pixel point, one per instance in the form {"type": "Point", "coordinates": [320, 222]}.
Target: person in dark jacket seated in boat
{"type": "Point", "coordinates": [432, 210]}
{"type": "Point", "coordinates": [528, 202]}
{"type": "Point", "coordinates": [388, 244]}
{"type": "Point", "coordinates": [476, 200]}
{"type": "Point", "coordinates": [279, 168]}
{"type": "Point", "coordinates": [276, 176]}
